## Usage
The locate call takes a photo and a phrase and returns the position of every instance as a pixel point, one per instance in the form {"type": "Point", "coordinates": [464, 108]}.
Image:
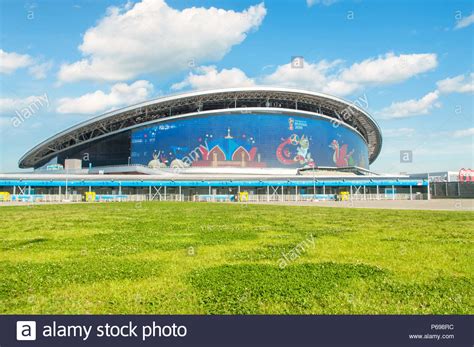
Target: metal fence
{"type": "Point", "coordinates": [275, 197]}
{"type": "Point", "coordinates": [452, 190]}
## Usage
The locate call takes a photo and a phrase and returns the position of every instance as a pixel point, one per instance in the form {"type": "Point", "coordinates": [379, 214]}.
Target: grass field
{"type": "Point", "coordinates": [205, 258]}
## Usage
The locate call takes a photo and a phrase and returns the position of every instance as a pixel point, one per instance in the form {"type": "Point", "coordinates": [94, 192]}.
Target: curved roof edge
{"type": "Point", "coordinates": [33, 156]}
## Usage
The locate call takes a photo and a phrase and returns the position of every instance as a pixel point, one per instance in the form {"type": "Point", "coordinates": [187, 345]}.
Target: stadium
{"type": "Point", "coordinates": [269, 143]}
{"type": "Point", "coordinates": [251, 127]}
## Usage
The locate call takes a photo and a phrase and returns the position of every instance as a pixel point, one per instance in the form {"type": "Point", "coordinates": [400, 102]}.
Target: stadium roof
{"type": "Point", "coordinates": [234, 100]}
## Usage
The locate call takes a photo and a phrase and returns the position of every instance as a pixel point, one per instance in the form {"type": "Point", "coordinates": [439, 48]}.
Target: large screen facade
{"type": "Point", "coordinates": [248, 140]}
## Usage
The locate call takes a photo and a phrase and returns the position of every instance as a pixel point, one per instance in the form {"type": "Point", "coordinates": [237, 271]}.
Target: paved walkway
{"type": "Point", "coordinates": [438, 204]}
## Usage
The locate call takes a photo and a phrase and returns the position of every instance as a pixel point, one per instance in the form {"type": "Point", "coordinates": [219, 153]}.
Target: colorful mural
{"type": "Point", "coordinates": [248, 140]}
{"type": "Point", "coordinates": [341, 156]}
{"type": "Point", "coordinates": [228, 151]}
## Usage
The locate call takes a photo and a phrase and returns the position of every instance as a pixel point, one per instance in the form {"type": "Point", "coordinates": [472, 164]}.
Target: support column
{"type": "Point", "coordinates": [282, 194]}
{"type": "Point", "coordinates": [393, 192]}
{"type": "Point", "coordinates": [296, 193]}
{"type": "Point", "coordinates": [180, 196]}
{"type": "Point", "coordinates": [411, 192]}
{"type": "Point", "coordinates": [14, 190]}
{"type": "Point", "coordinates": [378, 193]}
{"type": "Point", "coordinates": [165, 195]}
{"type": "Point", "coordinates": [268, 193]}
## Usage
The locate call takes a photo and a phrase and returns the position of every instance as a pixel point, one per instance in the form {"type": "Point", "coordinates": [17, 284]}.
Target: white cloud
{"type": "Point", "coordinates": [457, 84]}
{"type": "Point", "coordinates": [9, 62]}
{"type": "Point", "coordinates": [151, 37]}
{"type": "Point", "coordinates": [39, 71]}
{"type": "Point", "coordinates": [331, 78]}
{"type": "Point", "coordinates": [10, 105]}
{"type": "Point", "coordinates": [207, 77]}
{"type": "Point", "coordinates": [389, 68]}
{"type": "Point", "coordinates": [412, 107]}
{"type": "Point", "coordinates": [464, 133]}
{"type": "Point", "coordinates": [323, 76]}
{"type": "Point", "coordinates": [400, 132]}
{"type": "Point", "coordinates": [120, 94]}
{"type": "Point", "coordinates": [312, 76]}
{"type": "Point", "coordinates": [465, 22]}
{"type": "Point", "coordinates": [311, 3]}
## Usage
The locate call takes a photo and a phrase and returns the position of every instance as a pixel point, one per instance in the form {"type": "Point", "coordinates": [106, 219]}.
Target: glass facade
{"type": "Point", "coordinates": [248, 140]}
{"type": "Point", "coordinates": [112, 150]}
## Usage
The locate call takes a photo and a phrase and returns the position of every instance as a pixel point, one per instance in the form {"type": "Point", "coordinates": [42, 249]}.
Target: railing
{"type": "Point", "coordinates": [396, 196]}
{"type": "Point", "coordinates": [45, 198]}
{"type": "Point", "coordinates": [214, 198]}
{"type": "Point", "coordinates": [39, 198]}
{"type": "Point", "coordinates": [452, 190]}
{"type": "Point", "coordinates": [119, 198]}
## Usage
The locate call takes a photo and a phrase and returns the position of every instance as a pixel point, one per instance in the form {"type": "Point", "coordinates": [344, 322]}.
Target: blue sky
{"type": "Point", "coordinates": [412, 61]}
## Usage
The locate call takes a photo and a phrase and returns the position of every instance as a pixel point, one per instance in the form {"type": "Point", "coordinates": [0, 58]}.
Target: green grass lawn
{"type": "Point", "coordinates": [206, 258]}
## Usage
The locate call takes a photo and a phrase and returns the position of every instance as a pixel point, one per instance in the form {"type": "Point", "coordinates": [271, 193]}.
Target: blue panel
{"type": "Point", "coordinates": [248, 140]}
{"type": "Point", "coordinates": [309, 183]}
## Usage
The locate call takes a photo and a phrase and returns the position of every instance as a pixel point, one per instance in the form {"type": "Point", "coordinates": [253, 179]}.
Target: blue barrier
{"type": "Point", "coordinates": [229, 183]}
{"type": "Point", "coordinates": [26, 197]}
{"type": "Point", "coordinates": [318, 196]}
{"type": "Point", "coordinates": [218, 197]}
{"type": "Point", "coordinates": [108, 197]}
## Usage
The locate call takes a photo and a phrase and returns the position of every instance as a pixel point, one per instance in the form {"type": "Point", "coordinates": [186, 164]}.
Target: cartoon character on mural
{"type": "Point", "coordinates": [302, 156]}
{"type": "Point", "coordinates": [340, 157]}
